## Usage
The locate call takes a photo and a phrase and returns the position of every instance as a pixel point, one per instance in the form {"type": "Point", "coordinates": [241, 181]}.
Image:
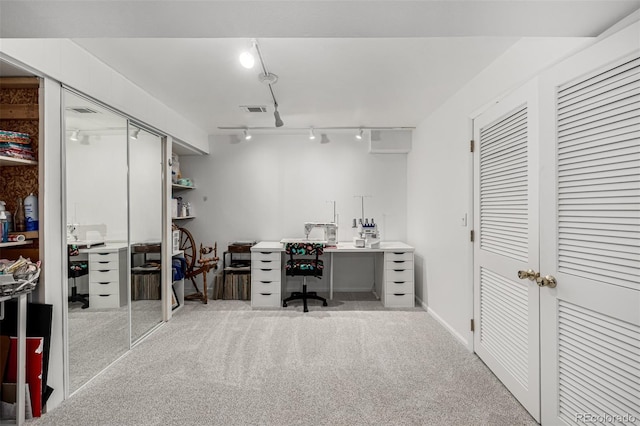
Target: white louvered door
{"type": "Point", "coordinates": [506, 308]}
{"type": "Point", "coordinates": [590, 232]}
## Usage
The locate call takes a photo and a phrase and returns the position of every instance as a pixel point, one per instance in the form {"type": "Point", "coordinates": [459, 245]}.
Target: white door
{"type": "Point", "coordinates": [506, 308]}
{"type": "Point", "coordinates": [590, 234]}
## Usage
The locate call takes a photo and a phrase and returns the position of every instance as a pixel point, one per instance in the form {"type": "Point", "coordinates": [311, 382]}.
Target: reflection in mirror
{"type": "Point", "coordinates": [97, 237]}
{"type": "Point", "coordinates": [145, 216]}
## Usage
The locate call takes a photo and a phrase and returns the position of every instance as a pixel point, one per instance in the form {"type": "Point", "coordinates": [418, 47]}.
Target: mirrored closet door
{"type": "Point", "coordinates": [145, 225]}
{"type": "Point", "coordinates": [114, 198]}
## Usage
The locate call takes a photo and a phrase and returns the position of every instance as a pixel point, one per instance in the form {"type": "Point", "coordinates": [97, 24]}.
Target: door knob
{"type": "Point", "coordinates": [546, 281]}
{"type": "Point", "coordinates": [529, 274]}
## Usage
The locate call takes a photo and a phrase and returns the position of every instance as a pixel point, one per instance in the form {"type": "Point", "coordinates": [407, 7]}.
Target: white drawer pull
{"type": "Point", "coordinates": [102, 254]}
{"type": "Point", "coordinates": [104, 295]}
{"type": "Point", "coordinates": [105, 282]}
{"type": "Point", "coordinates": [266, 294]}
{"type": "Point", "coordinates": [104, 261]}
{"type": "Point", "coordinates": [399, 282]}
{"type": "Point", "coordinates": [266, 261]}
{"type": "Point", "coordinates": [103, 270]}
{"type": "Point", "coordinates": [398, 261]}
{"type": "Point", "coordinates": [398, 294]}
{"type": "Point", "coordinates": [398, 270]}
{"type": "Point", "coordinates": [398, 252]}
{"type": "Point", "coordinates": [265, 252]}
{"type": "Point", "coordinates": [266, 282]}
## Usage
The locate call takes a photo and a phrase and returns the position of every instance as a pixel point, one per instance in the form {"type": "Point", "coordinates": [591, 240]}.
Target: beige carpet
{"type": "Point", "coordinates": [351, 363]}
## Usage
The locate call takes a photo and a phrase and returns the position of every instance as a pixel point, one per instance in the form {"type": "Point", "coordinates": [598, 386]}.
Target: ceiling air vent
{"type": "Point", "coordinates": [82, 110]}
{"type": "Point", "coordinates": [253, 108]}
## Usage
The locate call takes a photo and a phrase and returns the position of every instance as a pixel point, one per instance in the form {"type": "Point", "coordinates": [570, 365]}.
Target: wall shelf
{"type": "Point", "coordinates": [179, 187]}
{"type": "Point", "coordinates": [16, 243]}
{"type": "Point", "coordinates": [183, 217]}
{"type": "Point", "coordinates": [10, 161]}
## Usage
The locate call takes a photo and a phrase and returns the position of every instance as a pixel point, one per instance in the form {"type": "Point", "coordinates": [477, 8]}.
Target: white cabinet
{"type": "Point", "coordinates": [107, 277]}
{"type": "Point", "coordinates": [266, 275]}
{"type": "Point", "coordinates": [399, 284]}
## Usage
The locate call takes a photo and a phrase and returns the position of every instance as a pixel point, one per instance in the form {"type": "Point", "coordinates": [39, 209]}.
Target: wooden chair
{"type": "Point", "coordinates": [200, 266]}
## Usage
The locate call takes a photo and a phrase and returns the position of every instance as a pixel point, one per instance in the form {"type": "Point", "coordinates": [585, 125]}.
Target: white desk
{"type": "Point", "coordinates": [397, 287]}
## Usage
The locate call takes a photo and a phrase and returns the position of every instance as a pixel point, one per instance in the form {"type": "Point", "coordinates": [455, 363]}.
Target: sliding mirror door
{"type": "Point", "coordinates": [145, 224]}
{"type": "Point", "coordinates": [97, 238]}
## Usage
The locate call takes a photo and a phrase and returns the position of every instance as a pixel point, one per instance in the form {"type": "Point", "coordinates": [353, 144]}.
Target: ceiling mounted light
{"type": "Point", "coordinates": [246, 58]}
{"type": "Point", "coordinates": [247, 135]}
{"type": "Point", "coordinates": [324, 138]}
{"type": "Point", "coordinates": [359, 134]}
{"type": "Point", "coordinates": [74, 136]}
{"type": "Point", "coordinates": [312, 135]}
{"type": "Point", "coordinates": [134, 133]}
{"type": "Point", "coordinates": [269, 78]}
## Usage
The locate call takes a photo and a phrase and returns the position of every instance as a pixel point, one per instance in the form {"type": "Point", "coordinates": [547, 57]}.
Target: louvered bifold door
{"type": "Point", "coordinates": [506, 223]}
{"type": "Point", "coordinates": [592, 318]}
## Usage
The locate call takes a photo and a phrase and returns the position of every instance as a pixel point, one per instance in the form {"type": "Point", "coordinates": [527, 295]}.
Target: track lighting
{"type": "Point", "coordinates": [247, 135]}
{"type": "Point", "coordinates": [246, 58]}
{"type": "Point", "coordinates": [359, 134]}
{"type": "Point", "coordinates": [324, 138]}
{"type": "Point", "coordinates": [74, 136]}
{"type": "Point", "coordinates": [134, 133]}
{"type": "Point", "coordinates": [276, 114]}
{"type": "Point", "coordinates": [312, 135]}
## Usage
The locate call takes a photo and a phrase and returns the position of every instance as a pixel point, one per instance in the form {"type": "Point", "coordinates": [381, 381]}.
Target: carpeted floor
{"type": "Point", "coordinates": [350, 363]}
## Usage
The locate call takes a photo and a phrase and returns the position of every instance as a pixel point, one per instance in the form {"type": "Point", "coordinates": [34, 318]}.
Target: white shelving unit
{"type": "Point", "coordinates": [10, 161]}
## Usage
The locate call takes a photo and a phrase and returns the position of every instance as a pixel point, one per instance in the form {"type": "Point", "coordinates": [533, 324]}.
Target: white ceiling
{"type": "Point", "coordinates": [340, 63]}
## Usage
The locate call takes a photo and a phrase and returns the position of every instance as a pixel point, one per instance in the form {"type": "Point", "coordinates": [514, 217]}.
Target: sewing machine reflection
{"type": "Point", "coordinates": [330, 231]}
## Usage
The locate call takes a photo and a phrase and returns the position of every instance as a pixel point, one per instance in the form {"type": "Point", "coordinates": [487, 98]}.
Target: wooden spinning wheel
{"type": "Point", "coordinates": [195, 266]}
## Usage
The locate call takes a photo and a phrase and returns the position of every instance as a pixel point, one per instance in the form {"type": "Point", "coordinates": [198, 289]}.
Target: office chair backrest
{"type": "Point", "coordinates": [304, 266]}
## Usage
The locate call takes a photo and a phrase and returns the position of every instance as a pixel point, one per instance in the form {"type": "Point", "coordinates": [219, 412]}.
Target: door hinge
{"type": "Point", "coordinates": [472, 236]}
{"type": "Point", "coordinates": [472, 145]}
{"type": "Point", "coordinates": [473, 326]}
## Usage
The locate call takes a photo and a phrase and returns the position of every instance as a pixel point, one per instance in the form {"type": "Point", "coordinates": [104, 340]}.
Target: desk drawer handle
{"type": "Point", "coordinates": [102, 254]}
{"type": "Point", "coordinates": [103, 261]}
{"type": "Point", "coordinates": [266, 261]}
{"type": "Point", "coordinates": [398, 261]}
{"type": "Point", "coordinates": [398, 252]}
{"type": "Point", "coordinates": [399, 282]}
{"type": "Point", "coordinates": [265, 252]}
{"type": "Point", "coordinates": [265, 294]}
{"type": "Point", "coordinates": [103, 270]}
{"type": "Point", "coordinates": [105, 282]}
{"type": "Point", "coordinates": [104, 295]}
{"type": "Point", "coordinates": [398, 294]}
{"type": "Point", "coordinates": [266, 282]}
{"type": "Point", "coordinates": [399, 270]}
{"type": "Point", "coordinates": [262, 269]}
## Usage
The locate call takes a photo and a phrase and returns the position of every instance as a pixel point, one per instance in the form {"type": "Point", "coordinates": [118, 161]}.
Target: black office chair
{"type": "Point", "coordinates": [304, 267]}
{"type": "Point", "coordinates": [77, 268]}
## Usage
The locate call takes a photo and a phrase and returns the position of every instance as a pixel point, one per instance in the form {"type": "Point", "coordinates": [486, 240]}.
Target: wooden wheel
{"type": "Point", "coordinates": [188, 245]}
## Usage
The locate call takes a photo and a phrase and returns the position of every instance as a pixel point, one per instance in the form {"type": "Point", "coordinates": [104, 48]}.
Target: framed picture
{"type": "Point", "coordinates": [175, 303]}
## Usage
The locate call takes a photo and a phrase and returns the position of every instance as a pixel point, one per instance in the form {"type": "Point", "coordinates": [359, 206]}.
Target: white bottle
{"type": "Point", "coordinates": [31, 212]}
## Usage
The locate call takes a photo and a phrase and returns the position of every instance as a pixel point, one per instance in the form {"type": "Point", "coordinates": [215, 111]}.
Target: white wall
{"type": "Point", "coordinates": [266, 188]}
{"type": "Point", "coordinates": [440, 182]}
{"type": "Point", "coordinates": [68, 63]}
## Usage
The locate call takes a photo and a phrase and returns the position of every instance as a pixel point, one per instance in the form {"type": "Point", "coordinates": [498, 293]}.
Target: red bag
{"type": "Point", "coordinates": [35, 347]}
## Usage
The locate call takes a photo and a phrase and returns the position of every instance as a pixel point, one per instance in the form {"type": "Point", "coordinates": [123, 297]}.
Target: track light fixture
{"type": "Point", "coordinates": [312, 135]}
{"type": "Point", "coordinates": [266, 77]}
{"type": "Point", "coordinates": [246, 58]}
{"type": "Point", "coordinates": [74, 135]}
{"type": "Point", "coordinates": [276, 114]}
{"type": "Point", "coordinates": [324, 138]}
{"type": "Point", "coordinates": [247, 135]}
{"type": "Point", "coordinates": [359, 134]}
{"type": "Point", "coordinates": [134, 133]}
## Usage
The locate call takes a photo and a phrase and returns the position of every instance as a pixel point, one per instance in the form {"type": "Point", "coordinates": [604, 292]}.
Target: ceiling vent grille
{"type": "Point", "coordinates": [82, 110]}
{"type": "Point", "coordinates": [253, 108]}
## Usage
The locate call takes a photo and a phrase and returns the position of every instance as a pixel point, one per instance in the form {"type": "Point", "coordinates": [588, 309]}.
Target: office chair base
{"type": "Point", "coordinates": [304, 296]}
{"type": "Point", "coordinates": [78, 297]}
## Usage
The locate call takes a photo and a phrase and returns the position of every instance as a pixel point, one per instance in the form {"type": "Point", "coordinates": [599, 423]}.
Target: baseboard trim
{"type": "Point", "coordinates": [450, 329]}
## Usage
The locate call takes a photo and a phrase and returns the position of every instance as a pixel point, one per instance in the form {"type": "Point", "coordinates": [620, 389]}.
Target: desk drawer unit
{"type": "Point", "coordinates": [107, 279]}
{"type": "Point", "coordinates": [266, 279]}
{"type": "Point", "coordinates": [399, 284]}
